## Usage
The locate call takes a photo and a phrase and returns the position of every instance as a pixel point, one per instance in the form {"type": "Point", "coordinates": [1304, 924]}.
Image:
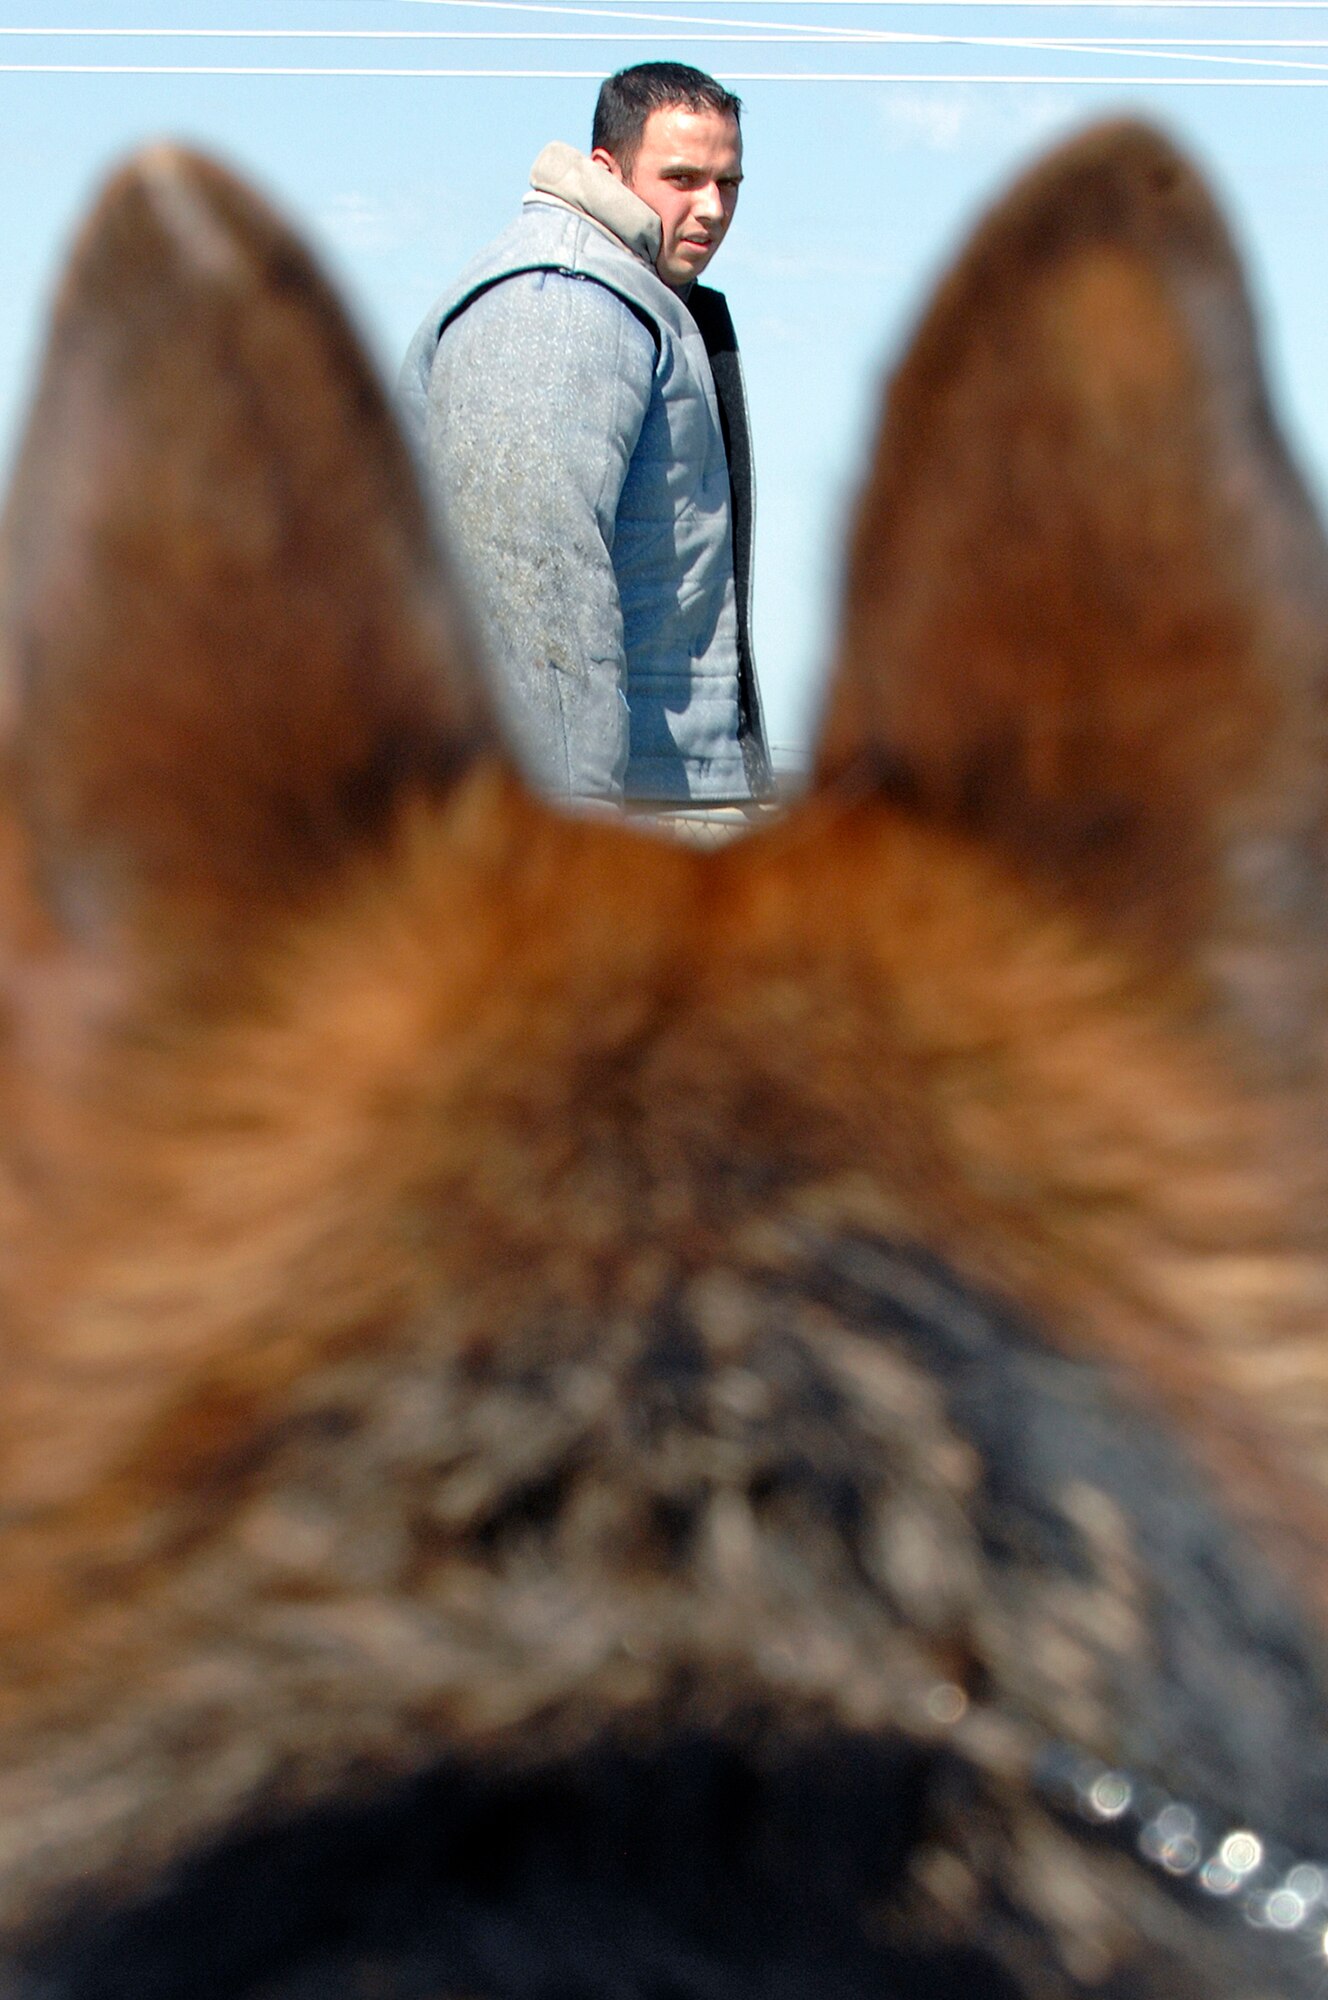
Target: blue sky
{"type": "Point", "coordinates": [856, 194]}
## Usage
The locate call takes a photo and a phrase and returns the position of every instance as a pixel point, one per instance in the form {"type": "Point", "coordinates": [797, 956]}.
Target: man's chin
{"type": "Point", "coordinates": [682, 269]}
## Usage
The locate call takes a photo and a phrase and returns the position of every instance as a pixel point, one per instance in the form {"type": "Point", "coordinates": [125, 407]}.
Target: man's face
{"type": "Point", "coordinates": [688, 170]}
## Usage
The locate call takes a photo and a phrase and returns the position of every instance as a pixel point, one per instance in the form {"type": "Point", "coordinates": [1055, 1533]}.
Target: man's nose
{"type": "Point", "coordinates": [709, 202]}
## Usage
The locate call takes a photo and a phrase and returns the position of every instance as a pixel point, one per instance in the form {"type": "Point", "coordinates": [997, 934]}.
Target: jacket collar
{"type": "Point", "coordinates": [577, 182]}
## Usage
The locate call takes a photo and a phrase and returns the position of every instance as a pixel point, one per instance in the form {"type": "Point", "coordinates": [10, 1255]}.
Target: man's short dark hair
{"type": "Point", "coordinates": [627, 99]}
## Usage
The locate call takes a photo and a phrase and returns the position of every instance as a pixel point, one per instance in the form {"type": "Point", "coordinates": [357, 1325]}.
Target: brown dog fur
{"type": "Point", "coordinates": [365, 1121]}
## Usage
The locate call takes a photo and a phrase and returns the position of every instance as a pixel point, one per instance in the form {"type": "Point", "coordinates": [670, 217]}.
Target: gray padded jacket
{"type": "Point", "coordinates": [567, 412]}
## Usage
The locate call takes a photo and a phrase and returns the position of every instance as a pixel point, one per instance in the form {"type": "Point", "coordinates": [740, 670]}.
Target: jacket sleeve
{"type": "Point", "coordinates": [537, 396]}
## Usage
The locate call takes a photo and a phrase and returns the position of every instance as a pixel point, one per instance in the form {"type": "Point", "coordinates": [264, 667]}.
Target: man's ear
{"type": "Point", "coordinates": [604, 158]}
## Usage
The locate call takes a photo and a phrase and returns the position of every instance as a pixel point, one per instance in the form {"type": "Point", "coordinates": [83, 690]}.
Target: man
{"type": "Point", "coordinates": [578, 401]}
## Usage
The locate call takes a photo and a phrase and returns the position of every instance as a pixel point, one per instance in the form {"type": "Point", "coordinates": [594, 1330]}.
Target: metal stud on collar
{"type": "Point", "coordinates": [1272, 1888]}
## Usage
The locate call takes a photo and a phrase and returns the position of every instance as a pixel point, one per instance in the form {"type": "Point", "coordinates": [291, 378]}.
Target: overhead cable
{"type": "Point", "coordinates": [1056, 6]}
{"type": "Point", "coordinates": [1103, 80]}
{"type": "Point", "coordinates": [745, 32]}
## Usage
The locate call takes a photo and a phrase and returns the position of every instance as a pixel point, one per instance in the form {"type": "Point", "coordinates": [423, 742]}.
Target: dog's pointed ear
{"type": "Point", "coordinates": [1087, 609]}
{"type": "Point", "coordinates": [229, 646]}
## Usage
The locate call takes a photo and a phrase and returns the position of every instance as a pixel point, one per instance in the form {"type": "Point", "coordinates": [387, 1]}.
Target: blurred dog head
{"type": "Point", "coordinates": [583, 1417]}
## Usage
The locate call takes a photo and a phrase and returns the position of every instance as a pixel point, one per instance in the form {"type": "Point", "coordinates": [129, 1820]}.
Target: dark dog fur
{"type": "Point", "coordinates": [589, 1421]}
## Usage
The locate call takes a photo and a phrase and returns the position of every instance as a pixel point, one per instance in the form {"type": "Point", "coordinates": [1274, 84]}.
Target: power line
{"type": "Point", "coordinates": [810, 38]}
{"type": "Point", "coordinates": [1170, 49]}
{"type": "Point", "coordinates": [1105, 80]}
{"type": "Point", "coordinates": [815, 37]}
{"type": "Point", "coordinates": [830, 39]}
{"type": "Point", "coordinates": [1055, 6]}
{"type": "Point", "coordinates": [428, 34]}
{"type": "Point", "coordinates": [1044, 45]}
